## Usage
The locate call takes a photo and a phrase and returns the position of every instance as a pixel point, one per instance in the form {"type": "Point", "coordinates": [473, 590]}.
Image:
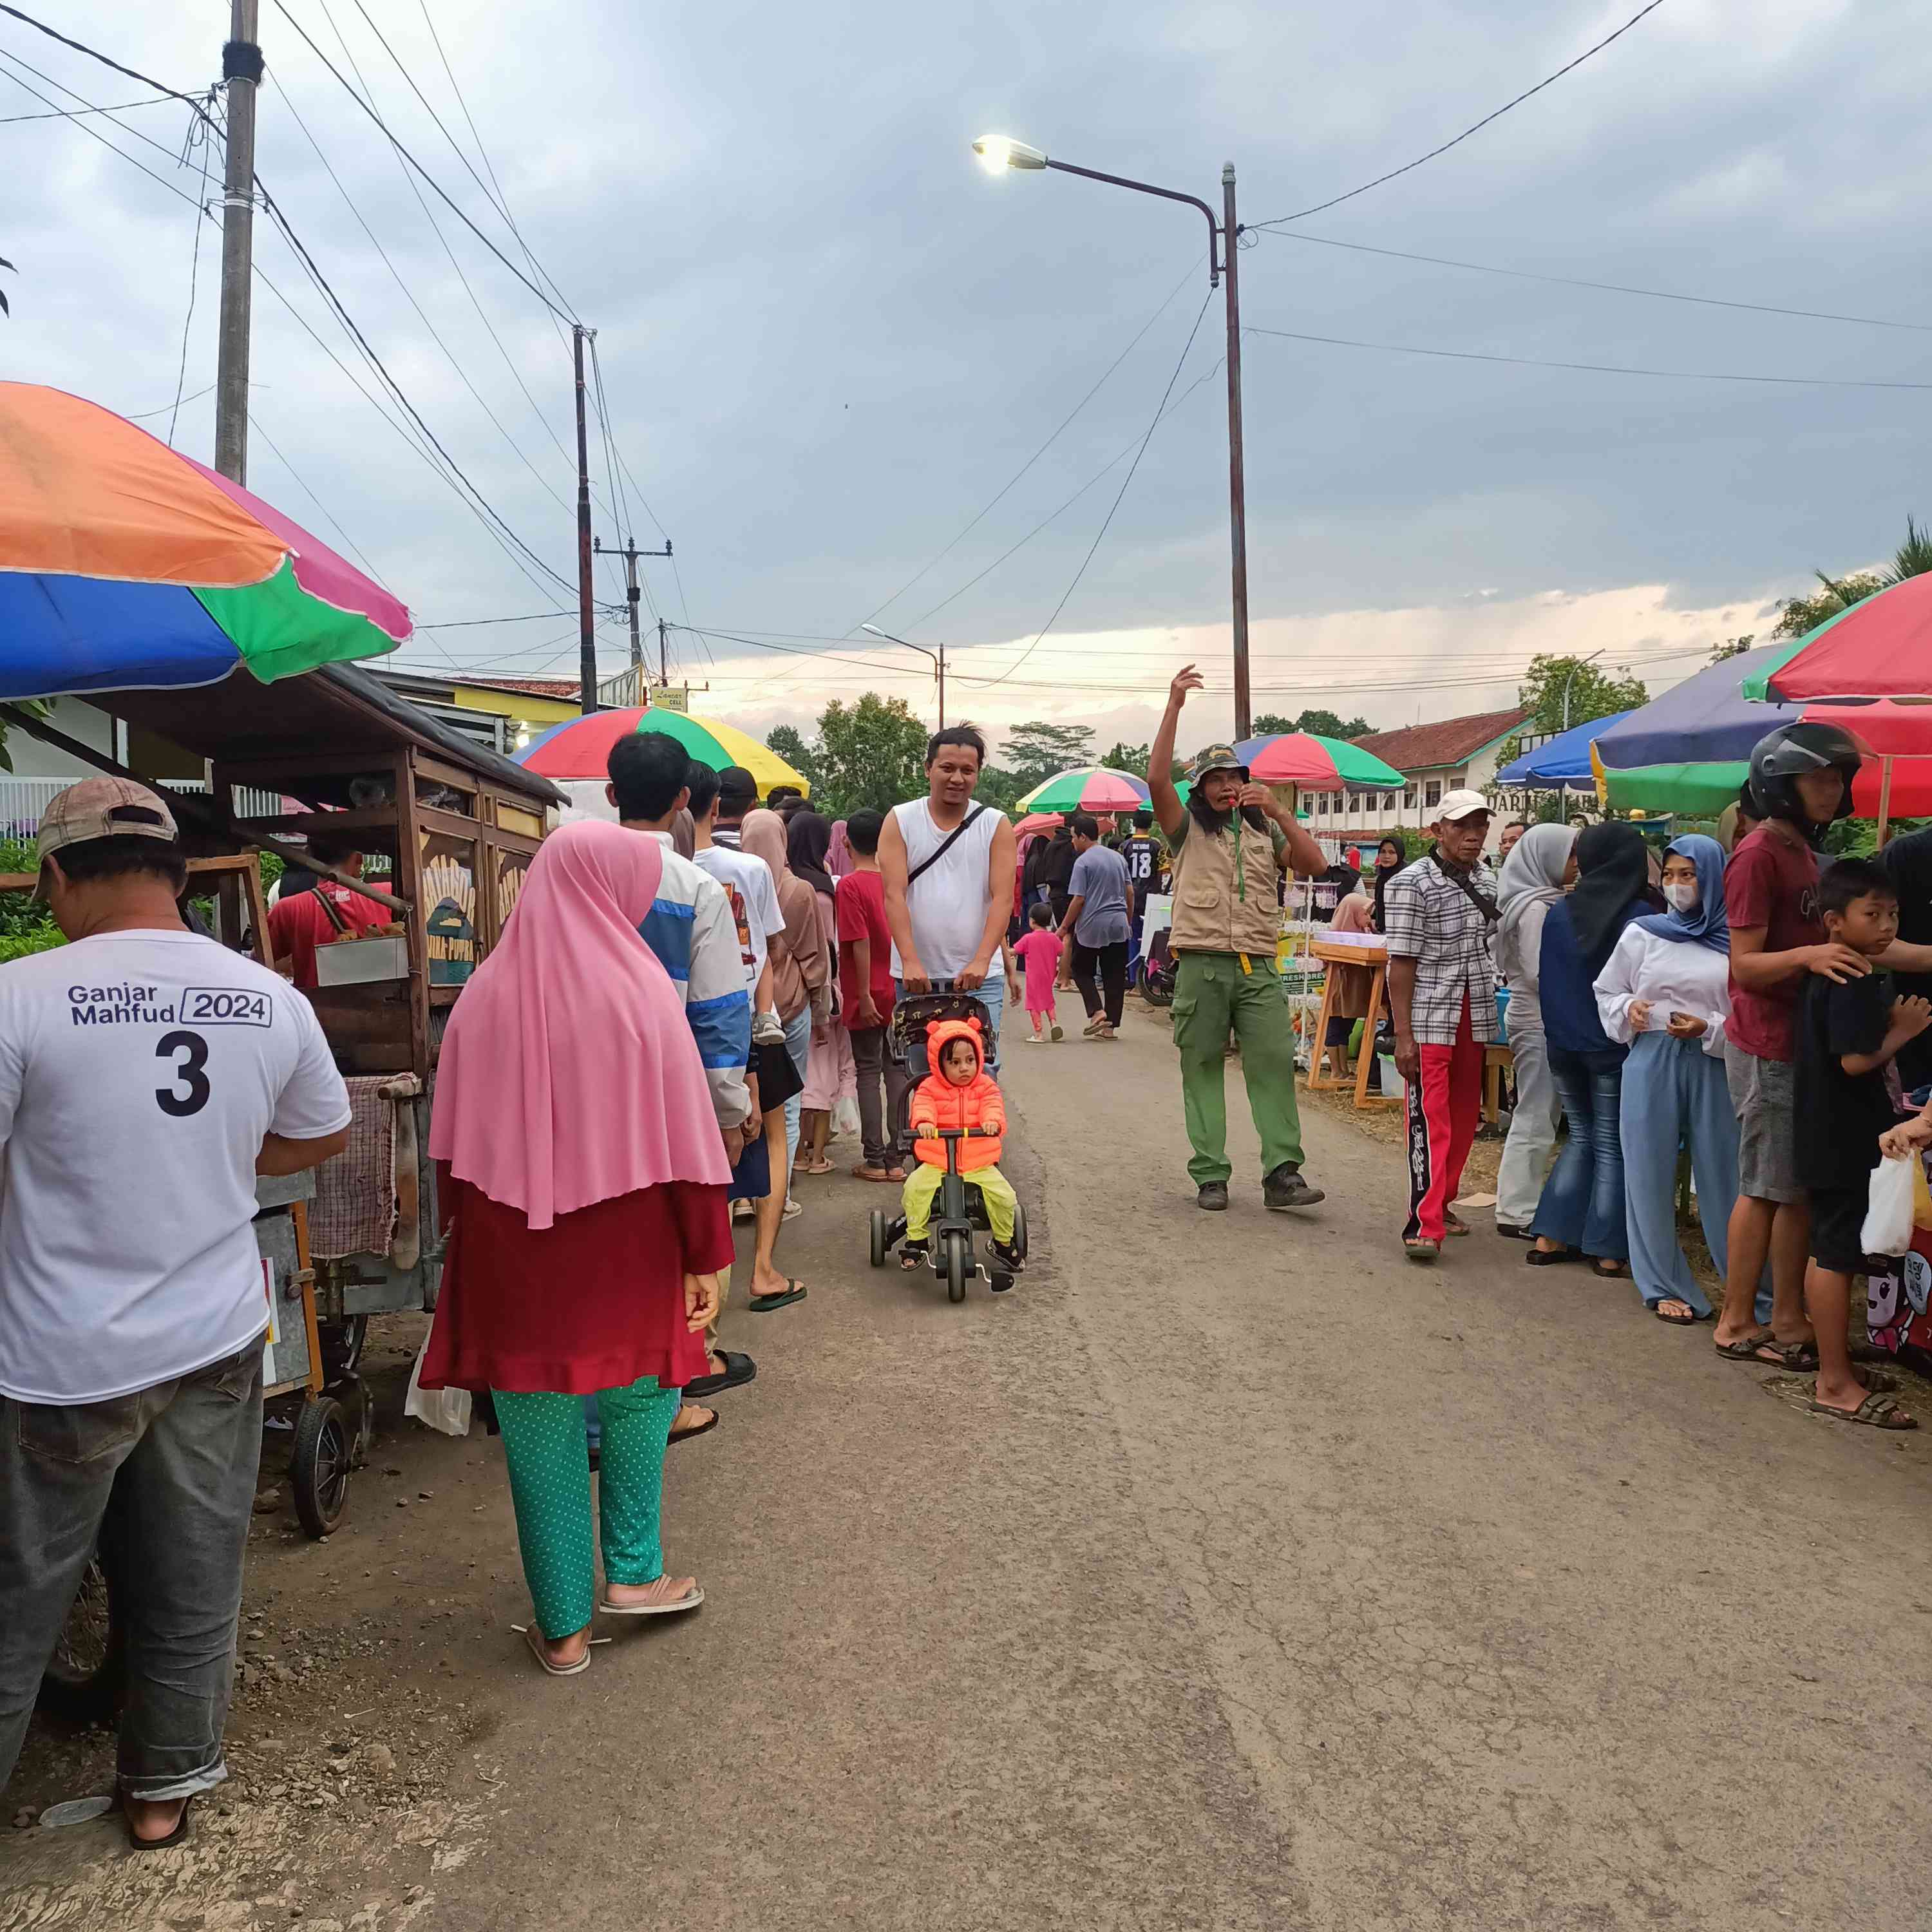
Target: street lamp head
{"type": "Point", "coordinates": [1000, 151]}
{"type": "Point", "coordinates": [877, 633]}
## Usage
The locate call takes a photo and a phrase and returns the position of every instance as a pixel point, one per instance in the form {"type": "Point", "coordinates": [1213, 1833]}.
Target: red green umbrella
{"type": "Point", "coordinates": [579, 748]}
{"type": "Point", "coordinates": [1879, 647]}
{"type": "Point", "coordinates": [1087, 788]}
{"type": "Point", "coordinates": [1303, 758]}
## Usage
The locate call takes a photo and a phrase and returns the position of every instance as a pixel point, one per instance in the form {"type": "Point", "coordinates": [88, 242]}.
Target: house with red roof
{"type": "Point", "coordinates": [1449, 754]}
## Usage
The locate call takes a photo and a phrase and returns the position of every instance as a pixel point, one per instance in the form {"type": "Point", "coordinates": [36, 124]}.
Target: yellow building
{"type": "Point", "coordinates": [503, 713]}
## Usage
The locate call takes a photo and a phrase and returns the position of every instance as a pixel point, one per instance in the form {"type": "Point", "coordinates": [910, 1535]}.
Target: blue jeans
{"type": "Point", "coordinates": [1583, 1203]}
{"type": "Point", "coordinates": [798, 1044]}
{"type": "Point", "coordinates": [165, 1480]}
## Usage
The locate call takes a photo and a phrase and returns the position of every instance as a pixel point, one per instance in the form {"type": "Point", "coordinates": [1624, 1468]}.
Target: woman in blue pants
{"type": "Point", "coordinates": [1665, 993]}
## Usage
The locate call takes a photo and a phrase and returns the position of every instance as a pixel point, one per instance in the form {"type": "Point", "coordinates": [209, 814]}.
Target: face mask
{"type": "Point", "coordinates": [1683, 897]}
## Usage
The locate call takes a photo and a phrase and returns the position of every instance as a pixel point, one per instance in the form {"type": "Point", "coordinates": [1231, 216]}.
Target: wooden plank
{"type": "Point", "coordinates": [429, 766]}
{"type": "Point", "coordinates": [298, 1213]}
{"type": "Point", "coordinates": [408, 867]}
{"type": "Point", "coordinates": [327, 824]}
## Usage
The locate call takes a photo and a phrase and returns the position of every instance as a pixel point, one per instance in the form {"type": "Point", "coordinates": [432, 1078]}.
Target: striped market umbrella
{"type": "Point", "coordinates": [579, 749]}
{"type": "Point", "coordinates": [1087, 788]}
{"type": "Point", "coordinates": [125, 566]}
{"type": "Point", "coordinates": [1303, 758]}
{"type": "Point", "coordinates": [1879, 647]}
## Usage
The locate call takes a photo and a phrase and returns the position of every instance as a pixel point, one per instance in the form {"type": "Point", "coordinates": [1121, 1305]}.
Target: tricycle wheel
{"type": "Point", "coordinates": [1019, 1230]}
{"type": "Point", "coordinates": [82, 1682]}
{"type": "Point", "coordinates": [319, 1468]}
{"type": "Point", "coordinates": [958, 1266]}
{"type": "Point", "coordinates": [878, 1237]}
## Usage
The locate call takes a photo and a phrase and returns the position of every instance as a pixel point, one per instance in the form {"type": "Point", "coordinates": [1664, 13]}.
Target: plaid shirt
{"type": "Point", "coordinates": [1429, 918]}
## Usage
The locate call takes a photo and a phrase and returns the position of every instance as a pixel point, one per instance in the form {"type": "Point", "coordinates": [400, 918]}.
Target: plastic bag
{"type": "Point", "coordinates": [1888, 1227]}
{"type": "Point", "coordinates": [845, 1114]}
{"type": "Point", "coordinates": [447, 1409]}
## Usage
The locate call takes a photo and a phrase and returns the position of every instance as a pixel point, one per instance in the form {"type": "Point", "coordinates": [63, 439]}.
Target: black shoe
{"type": "Point", "coordinates": [1213, 1196]}
{"type": "Point", "coordinates": [1011, 1259]}
{"type": "Point", "coordinates": [1288, 1187]}
{"type": "Point", "coordinates": [737, 1371]}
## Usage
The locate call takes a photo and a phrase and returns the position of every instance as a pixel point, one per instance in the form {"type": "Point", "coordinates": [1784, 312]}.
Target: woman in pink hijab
{"type": "Point", "coordinates": [584, 1185]}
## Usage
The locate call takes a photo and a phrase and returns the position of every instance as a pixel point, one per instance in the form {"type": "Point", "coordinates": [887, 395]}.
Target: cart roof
{"type": "Point", "coordinates": [338, 706]}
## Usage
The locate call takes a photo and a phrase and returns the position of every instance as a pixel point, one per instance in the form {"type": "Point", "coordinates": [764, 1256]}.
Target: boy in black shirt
{"type": "Point", "coordinates": [1848, 1034]}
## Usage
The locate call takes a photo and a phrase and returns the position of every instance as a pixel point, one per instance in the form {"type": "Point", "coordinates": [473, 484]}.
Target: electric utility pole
{"type": "Point", "coordinates": [664, 643]}
{"type": "Point", "coordinates": [241, 69]}
{"type": "Point", "coordinates": [634, 591]}
{"type": "Point", "coordinates": [1237, 482]}
{"type": "Point", "coordinates": [586, 626]}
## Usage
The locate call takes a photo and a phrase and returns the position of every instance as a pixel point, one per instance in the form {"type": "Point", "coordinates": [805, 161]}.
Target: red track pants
{"type": "Point", "coordinates": [1442, 1119]}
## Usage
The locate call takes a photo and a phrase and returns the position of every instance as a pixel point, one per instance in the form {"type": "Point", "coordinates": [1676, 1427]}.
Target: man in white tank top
{"type": "Point", "coordinates": [947, 922]}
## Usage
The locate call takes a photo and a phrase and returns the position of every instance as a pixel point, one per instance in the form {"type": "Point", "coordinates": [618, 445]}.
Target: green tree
{"type": "Point", "coordinates": [1272, 723]}
{"type": "Point", "coordinates": [1732, 647]}
{"type": "Point", "coordinates": [870, 753]}
{"type": "Point", "coordinates": [1913, 557]}
{"type": "Point", "coordinates": [1035, 750]}
{"type": "Point", "coordinates": [1001, 789]}
{"type": "Point", "coordinates": [1119, 756]}
{"type": "Point", "coordinates": [1323, 723]}
{"type": "Point", "coordinates": [790, 744]}
{"type": "Point", "coordinates": [1590, 693]}
{"type": "Point", "coordinates": [1797, 615]}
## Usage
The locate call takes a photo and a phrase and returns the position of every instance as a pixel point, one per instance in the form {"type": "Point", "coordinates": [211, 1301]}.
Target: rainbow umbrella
{"type": "Point", "coordinates": [579, 748]}
{"type": "Point", "coordinates": [1087, 788]}
{"type": "Point", "coordinates": [125, 566]}
{"type": "Point", "coordinates": [1303, 758]}
{"type": "Point", "coordinates": [1879, 647]}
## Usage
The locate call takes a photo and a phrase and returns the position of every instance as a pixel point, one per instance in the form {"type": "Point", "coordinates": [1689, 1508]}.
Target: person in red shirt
{"type": "Point", "coordinates": [301, 920]}
{"type": "Point", "coordinates": [1801, 779]}
{"type": "Point", "coordinates": [865, 970]}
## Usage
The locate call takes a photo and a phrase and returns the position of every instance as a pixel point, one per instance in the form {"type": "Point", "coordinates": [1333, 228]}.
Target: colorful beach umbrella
{"type": "Point", "coordinates": [1881, 647]}
{"type": "Point", "coordinates": [125, 566]}
{"type": "Point", "coordinates": [1037, 821]}
{"type": "Point", "coordinates": [1305, 758]}
{"type": "Point", "coordinates": [579, 749]}
{"type": "Point", "coordinates": [1087, 788]}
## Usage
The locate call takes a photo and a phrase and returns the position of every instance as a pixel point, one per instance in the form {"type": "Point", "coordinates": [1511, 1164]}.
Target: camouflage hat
{"type": "Point", "coordinates": [103, 808]}
{"type": "Point", "coordinates": [1218, 758]}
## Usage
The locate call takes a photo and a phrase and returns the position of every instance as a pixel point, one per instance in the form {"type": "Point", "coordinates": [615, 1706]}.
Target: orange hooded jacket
{"type": "Point", "coordinates": [936, 1103]}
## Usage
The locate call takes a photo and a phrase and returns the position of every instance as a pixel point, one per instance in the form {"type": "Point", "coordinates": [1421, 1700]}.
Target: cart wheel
{"type": "Point", "coordinates": [319, 1468]}
{"type": "Point", "coordinates": [958, 1266]}
{"type": "Point", "coordinates": [82, 1682]}
{"type": "Point", "coordinates": [342, 1345]}
{"type": "Point", "coordinates": [878, 1237]}
{"type": "Point", "coordinates": [360, 1406]}
{"type": "Point", "coordinates": [1019, 1230]}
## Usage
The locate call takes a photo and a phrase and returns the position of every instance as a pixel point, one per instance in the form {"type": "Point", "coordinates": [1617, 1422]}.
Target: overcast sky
{"type": "Point", "coordinates": [828, 340]}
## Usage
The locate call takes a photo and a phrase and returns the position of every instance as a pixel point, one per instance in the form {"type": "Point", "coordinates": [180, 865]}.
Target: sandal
{"type": "Point", "coordinates": [1452, 1224]}
{"type": "Point", "coordinates": [1550, 1257]}
{"type": "Point", "coordinates": [1688, 1319]}
{"type": "Point", "coordinates": [689, 1600]}
{"type": "Point", "coordinates": [1420, 1248]}
{"type": "Point", "coordinates": [1879, 1411]}
{"type": "Point", "coordinates": [737, 1371]}
{"type": "Point", "coordinates": [696, 1429]}
{"type": "Point", "coordinates": [779, 1298]}
{"type": "Point", "coordinates": [862, 1172]}
{"type": "Point", "coordinates": [818, 1167]}
{"type": "Point", "coordinates": [533, 1637]}
{"type": "Point", "coordinates": [174, 1837]}
{"type": "Point", "coordinates": [1606, 1269]}
{"type": "Point", "coordinates": [1797, 1358]}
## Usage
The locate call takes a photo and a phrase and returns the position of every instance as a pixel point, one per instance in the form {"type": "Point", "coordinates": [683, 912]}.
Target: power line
{"type": "Point", "coordinates": [1187, 348]}
{"type": "Point", "coordinates": [1592, 368]}
{"type": "Point", "coordinates": [1613, 288]}
{"type": "Point", "coordinates": [993, 501]}
{"type": "Point", "coordinates": [301, 483]}
{"type": "Point", "coordinates": [61, 113]}
{"type": "Point", "coordinates": [471, 623]}
{"type": "Point", "coordinates": [198, 136]}
{"type": "Point", "coordinates": [442, 194]}
{"type": "Point", "coordinates": [66, 114]}
{"type": "Point", "coordinates": [180, 402]}
{"type": "Point", "coordinates": [94, 53]}
{"type": "Point", "coordinates": [1548, 80]}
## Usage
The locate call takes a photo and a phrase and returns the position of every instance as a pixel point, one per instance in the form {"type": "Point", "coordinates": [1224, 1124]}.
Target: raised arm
{"type": "Point", "coordinates": [1169, 811]}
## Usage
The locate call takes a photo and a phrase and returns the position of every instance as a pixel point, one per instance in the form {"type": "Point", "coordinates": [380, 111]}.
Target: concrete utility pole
{"type": "Point", "coordinates": [664, 640]}
{"type": "Point", "coordinates": [241, 69]}
{"type": "Point", "coordinates": [634, 591]}
{"type": "Point", "coordinates": [586, 623]}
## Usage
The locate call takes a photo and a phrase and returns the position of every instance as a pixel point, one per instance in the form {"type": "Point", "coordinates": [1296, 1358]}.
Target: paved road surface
{"type": "Point", "coordinates": [1230, 1574]}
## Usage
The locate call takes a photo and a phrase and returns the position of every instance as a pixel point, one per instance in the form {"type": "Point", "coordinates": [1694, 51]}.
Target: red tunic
{"type": "Point", "coordinates": [592, 1302]}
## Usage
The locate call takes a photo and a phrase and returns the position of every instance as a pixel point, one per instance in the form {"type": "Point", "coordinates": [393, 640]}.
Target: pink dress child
{"type": "Point", "coordinates": [1040, 947]}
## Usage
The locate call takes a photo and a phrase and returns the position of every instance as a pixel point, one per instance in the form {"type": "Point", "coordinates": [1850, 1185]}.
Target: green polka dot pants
{"type": "Point", "coordinates": [550, 1484]}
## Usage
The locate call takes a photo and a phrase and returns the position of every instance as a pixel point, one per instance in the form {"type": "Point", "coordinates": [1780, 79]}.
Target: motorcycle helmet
{"type": "Point", "coordinates": [1779, 757]}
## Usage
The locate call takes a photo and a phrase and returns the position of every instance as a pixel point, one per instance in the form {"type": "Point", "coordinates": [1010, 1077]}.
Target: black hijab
{"type": "Point", "coordinates": [1382, 877]}
{"type": "Point", "coordinates": [808, 839]}
{"type": "Point", "coordinates": [1612, 886]}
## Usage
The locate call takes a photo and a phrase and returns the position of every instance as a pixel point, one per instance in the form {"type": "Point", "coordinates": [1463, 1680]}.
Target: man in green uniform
{"type": "Point", "coordinates": [1231, 841]}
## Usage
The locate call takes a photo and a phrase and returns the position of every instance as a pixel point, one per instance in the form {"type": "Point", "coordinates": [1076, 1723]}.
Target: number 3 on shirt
{"type": "Point", "coordinates": [188, 1071]}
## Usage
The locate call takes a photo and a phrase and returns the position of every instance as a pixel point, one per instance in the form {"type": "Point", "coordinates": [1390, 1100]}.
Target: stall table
{"type": "Point", "coordinates": [1372, 953]}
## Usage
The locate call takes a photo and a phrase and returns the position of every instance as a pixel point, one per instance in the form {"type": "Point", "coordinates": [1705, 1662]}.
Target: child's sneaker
{"type": "Point", "coordinates": [767, 1029]}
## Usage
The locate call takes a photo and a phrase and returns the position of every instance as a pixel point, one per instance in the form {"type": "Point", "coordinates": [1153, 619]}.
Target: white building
{"type": "Point", "coordinates": [1448, 755]}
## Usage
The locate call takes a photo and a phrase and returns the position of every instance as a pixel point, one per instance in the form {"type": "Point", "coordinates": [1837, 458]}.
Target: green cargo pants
{"type": "Point", "coordinates": [1213, 996]}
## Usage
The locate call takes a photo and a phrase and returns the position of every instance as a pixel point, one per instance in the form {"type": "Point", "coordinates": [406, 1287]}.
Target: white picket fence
{"type": "Point", "coordinates": [23, 800]}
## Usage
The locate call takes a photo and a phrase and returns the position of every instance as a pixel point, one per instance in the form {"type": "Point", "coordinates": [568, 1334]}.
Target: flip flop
{"type": "Point", "coordinates": [533, 1639]}
{"type": "Point", "coordinates": [1550, 1258]}
{"type": "Point", "coordinates": [690, 1602]}
{"type": "Point", "coordinates": [174, 1837]}
{"type": "Point", "coordinates": [1686, 1320]}
{"type": "Point", "coordinates": [1452, 1224]}
{"type": "Point", "coordinates": [737, 1371]}
{"type": "Point", "coordinates": [1422, 1248]}
{"type": "Point", "coordinates": [862, 1172]}
{"type": "Point", "coordinates": [824, 1167]}
{"type": "Point", "coordinates": [764, 1304]}
{"type": "Point", "coordinates": [1878, 1411]}
{"type": "Point", "coordinates": [686, 1434]}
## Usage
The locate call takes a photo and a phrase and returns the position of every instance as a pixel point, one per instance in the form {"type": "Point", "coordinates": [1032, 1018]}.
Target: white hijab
{"type": "Point", "coordinates": [1532, 875]}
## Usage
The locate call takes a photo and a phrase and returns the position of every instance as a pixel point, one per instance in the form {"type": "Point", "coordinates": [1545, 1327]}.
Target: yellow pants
{"type": "Point", "coordinates": [923, 1184]}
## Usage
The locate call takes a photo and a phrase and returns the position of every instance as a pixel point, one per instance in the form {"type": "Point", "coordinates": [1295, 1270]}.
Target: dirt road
{"type": "Point", "coordinates": [1228, 1573]}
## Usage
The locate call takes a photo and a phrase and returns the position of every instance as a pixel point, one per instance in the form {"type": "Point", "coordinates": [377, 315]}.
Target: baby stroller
{"type": "Point", "coordinates": [959, 1213]}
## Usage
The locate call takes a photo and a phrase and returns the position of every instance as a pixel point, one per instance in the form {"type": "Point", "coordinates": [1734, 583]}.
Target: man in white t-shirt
{"type": "Point", "coordinates": [147, 1075]}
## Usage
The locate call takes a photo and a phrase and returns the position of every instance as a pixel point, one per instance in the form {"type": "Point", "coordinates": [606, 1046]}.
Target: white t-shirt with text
{"type": "Point", "coordinates": [140, 1073]}
{"type": "Point", "coordinates": [754, 894]}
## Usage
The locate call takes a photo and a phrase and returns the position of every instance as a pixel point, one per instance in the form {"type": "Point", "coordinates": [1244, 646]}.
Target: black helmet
{"type": "Point", "coordinates": [1778, 758]}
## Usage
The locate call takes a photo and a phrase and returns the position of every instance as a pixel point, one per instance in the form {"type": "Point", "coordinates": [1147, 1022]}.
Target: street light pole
{"type": "Point", "coordinates": [997, 152]}
{"type": "Point", "coordinates": [938, 658]}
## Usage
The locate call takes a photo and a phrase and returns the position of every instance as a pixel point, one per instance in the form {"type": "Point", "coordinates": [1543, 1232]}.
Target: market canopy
{"type": "Point", "coordinates": [1562, 761]}
{"type": "Point", "coordinates": [1307, 758]}
{"type": "Point", "coordinates": [1879, 647]}
{"type": "Point", "coordinates": [1690, 750]}
{"type": "Point", "coordinates": [124, 565]}
{"type": "Point", "coordinates": [1086, 788]}
{"type": "Point", "coordinates": [576, 755]}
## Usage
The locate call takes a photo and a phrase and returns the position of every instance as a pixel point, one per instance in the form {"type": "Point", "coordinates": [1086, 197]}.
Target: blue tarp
{"type": "Point", "coordinates": [1564, 761]}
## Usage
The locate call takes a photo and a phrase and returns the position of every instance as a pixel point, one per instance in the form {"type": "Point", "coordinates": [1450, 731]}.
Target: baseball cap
{"type": "Point", "coordinates": [1218, 758]}
{"type": "Point", "coordinates": [1461, 804]}
{"type": "Point", "coordinates": [737, 785]}
{"type": "Point", "coordinates": [103, 808]}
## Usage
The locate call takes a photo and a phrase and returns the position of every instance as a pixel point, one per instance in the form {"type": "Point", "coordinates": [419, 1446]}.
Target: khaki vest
{"type": "Point", "coordinates": [1217, 909]}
